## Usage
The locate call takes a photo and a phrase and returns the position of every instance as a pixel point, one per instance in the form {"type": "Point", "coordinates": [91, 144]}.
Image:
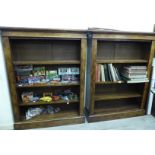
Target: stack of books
{"type": "Point", "coordinates": [135, 74]}
{"type": "Point", "coordinates": [107, 72]}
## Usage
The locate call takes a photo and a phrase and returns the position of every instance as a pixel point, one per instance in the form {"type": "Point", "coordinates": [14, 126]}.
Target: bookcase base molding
{"type": "Point", "coordinates": [49, 123]}
{"type": "Point", "coordinates": [115, 115]}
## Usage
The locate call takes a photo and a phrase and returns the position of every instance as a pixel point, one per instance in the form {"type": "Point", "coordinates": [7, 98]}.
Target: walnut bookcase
{"type": "Point", "coordinates": [112, 100]}
{"type": "Point", "coordinates": [51, 48]}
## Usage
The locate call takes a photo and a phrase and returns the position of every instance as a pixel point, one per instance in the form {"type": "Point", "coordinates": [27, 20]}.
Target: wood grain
{"type": "Point", "coordinates": [149, 67]}
{"type": "Point", "coordinates": [11, 77]}
{"type": "Point", "coordinates": [46, 62]}
{"type": "Point", "coordinates": [93, 74]}
{"type": "Point", "coordinates": [82, 74]}
{"type": "Point", "coordinates": [114, 96]}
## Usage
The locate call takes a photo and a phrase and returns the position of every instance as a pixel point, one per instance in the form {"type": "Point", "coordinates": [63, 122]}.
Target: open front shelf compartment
{"type": "Point", "coordinates": [110, 106]}
{"type": "Point", "coordinates": [49, 120]}
{"type": "Point", "coordinates": [115, 109]}
{"type": "Point", "coordinates": [123, 51]}
{"type": "Point", "coordinates": [33, 51]}
{"type": "Point", "coordinates": [123, 90]}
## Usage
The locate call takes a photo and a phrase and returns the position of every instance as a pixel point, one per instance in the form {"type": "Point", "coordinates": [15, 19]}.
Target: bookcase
{"type": "Point", "coordinates": [49, 50]}
{"type": "Point", "coordinates": [119, 99]}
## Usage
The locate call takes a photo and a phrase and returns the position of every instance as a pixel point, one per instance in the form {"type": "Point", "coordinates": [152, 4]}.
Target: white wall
{"type": "Point", "coordinates": [6, 118]}
{"type": "Point", "coordinates": [128, 15]}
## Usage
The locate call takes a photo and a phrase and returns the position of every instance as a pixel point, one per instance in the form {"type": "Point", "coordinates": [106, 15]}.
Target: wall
{"type": "Point", "coordinates": [6, 118]}
{"type": "Point", "coordinates": [128, 15]}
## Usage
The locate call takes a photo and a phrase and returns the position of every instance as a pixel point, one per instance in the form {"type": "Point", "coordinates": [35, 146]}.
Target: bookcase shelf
{"type": "Point", "coordinates": [50, 51]}
{"type": "Point", "coordinates": [114, 96]}
{"type": "Point", "coordinates": [109, 82]}
{"type": "Point", "coordinates": [122, 61]}
{"type": "Point", "coordinates": [112, 99]}
{"type": "Point", "coordinates": [47, 103]}
{"type": "Point", "coordinates": [48, 85]}
{"type": "Point", "coordinates": [58, 62]}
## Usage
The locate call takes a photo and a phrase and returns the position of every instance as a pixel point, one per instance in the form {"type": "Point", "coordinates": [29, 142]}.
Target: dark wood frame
{"type": "Point", "coordinates": [117, 36]}
{"type": "Point", "coordinates": [11, 33]}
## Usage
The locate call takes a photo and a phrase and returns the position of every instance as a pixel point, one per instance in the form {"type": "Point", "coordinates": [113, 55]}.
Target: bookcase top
{"type": "Point", "coordinates": [93, 30]}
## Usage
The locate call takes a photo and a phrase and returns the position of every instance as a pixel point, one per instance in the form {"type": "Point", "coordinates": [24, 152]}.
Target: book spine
{"type": "Point", "coordinates": [109, 73]}
{"type": "Point", "coordinates": [106, 72]}
{"type": "Point", "coordinates": [102, 73]}
{"type": "Point", "coordinates": [97, 73]}
{"type": "Point", "coordinates": [112, 72]}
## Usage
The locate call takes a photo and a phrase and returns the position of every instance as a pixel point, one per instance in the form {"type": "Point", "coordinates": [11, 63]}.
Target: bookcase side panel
{"type": "Point", "coordinates": [82, 74]}
{"type": "Point", "coordinates": [146, 86]}
{"type": "Point", "coordinates": [11, 77]}
{"type": "Point", "coordinates": [93, 74]}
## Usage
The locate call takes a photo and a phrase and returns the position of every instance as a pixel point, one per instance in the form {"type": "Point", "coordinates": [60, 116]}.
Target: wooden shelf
{"type": "Point", "coordinates": [113, 96]}
{"type": "Point", "coordinates": [113, 109]}
{"type": "Point", "coordinates": [122, 61]}
{"type": "Point", "coordinates": [47, 103]}
{"type": "Point", "coordinates": [48, 85]}
{"type": "Point", "coordinates": [54, 62]}
{"type": "Point", "coordinates": [109, 82]}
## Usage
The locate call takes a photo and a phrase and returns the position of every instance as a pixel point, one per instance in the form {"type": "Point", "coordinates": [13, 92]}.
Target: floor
{"type": "Point", "coordinates": [146, 122]}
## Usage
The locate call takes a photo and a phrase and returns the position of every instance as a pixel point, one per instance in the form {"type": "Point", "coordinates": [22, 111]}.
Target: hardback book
{"type": "Point", "coordinates": [102, 73]}
{"type": "Point", "coordinates": [112, 72]}
{"type": "Point", "coordinates": [109, 72]}
{"type": "Point", "coordinates": [135, 67]}
{"type": "Point", "coordinates": [106, 72]}
{"type": "Point", "coordinates": [98, 72]}
{"type": "Point", "coordinates": [134, 76]}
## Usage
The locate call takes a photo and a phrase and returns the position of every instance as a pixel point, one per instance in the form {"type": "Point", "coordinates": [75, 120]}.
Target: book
{"type": "Point", "coordinates": [98, 72]}
{"type": "Point", "coordinates": [109, 73]}
{"type": "Point", "coordinates": [106, 72]}
{"type": "Point", "coordinates": [135, 67]}
{"type": "Point", "coordinates": [102, 73]}
{"type": "Point", "coordinates": [112, 72]}
{"type": "Point", "coordinates": [133, 76]}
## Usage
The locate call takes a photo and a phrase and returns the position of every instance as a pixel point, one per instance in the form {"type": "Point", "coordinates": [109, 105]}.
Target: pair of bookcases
{"type": "Point", "coordinates": [84, 49]}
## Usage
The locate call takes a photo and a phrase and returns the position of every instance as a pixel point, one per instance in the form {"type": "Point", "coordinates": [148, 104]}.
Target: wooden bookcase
{"type": "Point", "coordinates": [52, 49]}
{"type": "Point", "coordinates": [113, 100]}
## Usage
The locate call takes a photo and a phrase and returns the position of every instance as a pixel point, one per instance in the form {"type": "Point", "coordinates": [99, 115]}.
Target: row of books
{"type": "Point", "coordinates": [134, 74]}
{"type": "Point", "coordinates": [107, 72]}
{"type": "Point", "coordinates": [129, 74]}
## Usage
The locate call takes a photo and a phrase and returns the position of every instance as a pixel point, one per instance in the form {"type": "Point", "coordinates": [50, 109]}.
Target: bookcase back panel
{"type": "Point", "coordinates": [116, 105]}
{"type": "Point", "coordinates": [54, 90]}
{"type": "Point", "coordinates": [63, 108]}
{"type": "Point", "coordinates": [31, 50]}
{"type": "Point", "coordinates": [116, 50]}
{"type": "Point", "coordinates": [119, 88]}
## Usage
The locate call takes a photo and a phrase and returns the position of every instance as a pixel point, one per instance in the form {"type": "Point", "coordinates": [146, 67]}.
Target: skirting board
{"type": "Point", "coordinates": [6, 127]}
